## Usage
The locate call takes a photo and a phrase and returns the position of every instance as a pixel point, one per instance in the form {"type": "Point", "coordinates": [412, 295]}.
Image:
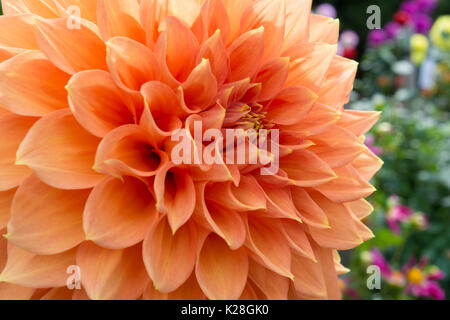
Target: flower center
{"type": "Point", "coordinates": [415, 276]}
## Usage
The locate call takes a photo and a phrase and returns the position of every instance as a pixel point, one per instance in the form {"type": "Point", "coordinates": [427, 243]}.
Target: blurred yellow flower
{"type": "Point", "coordinates": [440, 33]}
{"type": "Point", "coordinates": [419, 48]}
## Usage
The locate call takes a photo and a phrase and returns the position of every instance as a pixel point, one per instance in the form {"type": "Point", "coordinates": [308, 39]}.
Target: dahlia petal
{"type": "Point", "coordinates": [151, 12]}
{"type": "Point", "coordinates": [323, 29]}
{"type": "Point", "coordinates": [308, 210]}
{"type": "Point", "coordinates": [248, 196]}
{"type": "Point", "coordinates": [213, 16]}
{"type": "Point", "coordinates": [60, 152]}
{"type": "Point", "coordinates": [309, 64]}
{"type": "Point", "coordinates": [175, 195]}
{"type": "Point", "coordinates": [48, 224]}
{"type": "Point", "coordinates": [367, 164]}
{"type": "Point", "coordinates": [318, 120]}
{"type": "Point", "coordinates": [119, 18]}
{"type": "Point", "coordinates": [177, 38]}
{"type": "Point", "coordinates": [37, 271]}
{"type": "Point", "coordinates": [361, 208]}
{"type": "Point", "coordinates": [214, 50]}
{"type": "Point", "coordinates": [13, 129]}
{"type": "Point", "coordinates": [348, 186]}
{"type": "Point", "coordinates": [280, 203]}
{"type": "Point", "coordinates": [358, 122]}
{"type": "Point", "coordinates": [189, 290]}
{"type": "Point", "coordinates": [88, 8]}
{"type": "Point", "coordinates": [342, 233]}
{"type": "Point", "coordinates": [58, 294]}
{"type": "Point", "coordinates": [297, 30]}
{"type": "Point", "coordinates": [272, 285]}
{"type": "Point", "coordinates": [56, 41]}
{"type": "Point", "coordinates": [249, 293]}
{"type": "Point", "coordinates": [10, 291]}
{"type": "Point", "coordinates": [97, 103]}
{"type": "Point", "coordinates": [127, 150]}
{"type": "Point", "coordinates": [308, 278]}
{"type": "Point", "coordinates": [338, 83]}
{"type": "Point", "coordinates": [270, 14]}
{"type": "Point", "coordinates": [326, 261]}
{"type": "Point", "coordinates": [200, 88]}
{"type": "Point", "coordinates": [225, 222]}
{"type": "Point", "coordinates": [118, 214]}
{"type": "Point", "coordinates": [9, 52]}
{"type": "Point", "coordinates": [22, 89]}
{"type": "Point", "coordinates": [112, 274]}
{"type": "Point", "coordinates": [312, 172]}
{"type": "Point", "coordinates": [245, 54]}
{"type": "Point", "coordinates": [23, 36]}
{"type": "Point", "coordinates": [170, 258]}
{"type": "Point", "coordinates": [298, 239]}
{"type": "Point", "coordinates": [6, 198]}
{"type": "Point", "coordinates": [216, 269]}
{"type": "Point", "coordinates": [265, 239]}
{"type": "Point", "coordinates": [235, 11]}
{"type": "Point", "coordinates": [131, 64]}
{"type": "Point", "coordinates": [43, 8]}
{"type": "Point", "coordinates": [272, 76]}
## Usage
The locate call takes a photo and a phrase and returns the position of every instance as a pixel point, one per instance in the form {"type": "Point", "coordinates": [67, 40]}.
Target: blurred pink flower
{"type": "Point", "coordinates": [327, 9]}
{"type": "Point", "coordinates": [422, 280]}
{"type": "Point", "coordinates": [370, 140]}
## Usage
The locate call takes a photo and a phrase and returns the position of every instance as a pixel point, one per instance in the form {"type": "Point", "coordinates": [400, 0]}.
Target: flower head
{"type": "Point", "coordinates": [422, 280]}
{"type": "Point", "coordinates": [377, 37]}
{"type": "Point", "coordinates": [327, 10]}
{"type": "Point", "coordinates": [89, 175]}
{"type": "Point", "coordinates": [440, 33]}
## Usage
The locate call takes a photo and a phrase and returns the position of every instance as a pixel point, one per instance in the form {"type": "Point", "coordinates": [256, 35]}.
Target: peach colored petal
{"type": "Point", "coordinates": [37, 271]}
{"type": "Point", "coordinates": [170, 258]}
{"type": "Point", "coordinates": [23, 37]}
{"type": "Point", "coordinates": [128, 150]}
{"type": "Point", "coordinates": [359, 208]}
{"type": "Point", "coordinates": [175, 195]}
{"type": "Point", "coordinates": [200, 88]}
{"type": "Point", "coordinates": [358, 122]}
{"type": "Point", "coordinates": [213, 16]}
{"type": "Point", "coordinates": [10, 291]}
{"type": "Point", "coordinates": [245, 54]}
{"type": "Point", "coordinates": [118, 214]}
{"type": "Point", "coordinates": [56, 41]}
{"type": "Point", "coordinates": [88, 8]}
{"type": "Point", "coordinates": [131, 63]}
{"type": "Point", "coordinates": [216, 269]}
{"type": "Point", "coordinates": [269, 244]}
{"type": "Point", "coordinates": [248, 196]}
{"type": "Point", "coordinates": [97, 103]}
{"type": "Point", "coordinates": [49, 224]}
{"type": "Point", "coordinates": [274, 286]}
{"type": "Point", "coordinates": [190, 290]}
{"type": "Point", "coordinates": [119, 18]}
{"type": "Point", "coordinates": [308, 210]}
{"type": "Point", "coordinates": [270, 14]}
{"type": "Point", "coordinates": [349, 186]}
{"type": "Point", "coordinates": [225, 222]}
{"type": "Point", "coordinates": [112, 274]}
{"type": "Point", "coordinates": [43, 8]}
{"type": "Point", "coordinates": [309, 64]}
{"type": "Point", "coordinates": [214, 50]}
{"type": "Point", "coordinates": [308, 278]}
{"type": "Point", "coordinates": [291, 105]}
{"type": "Point", "coordinates": [367, 164]}
{"type": "Point", "coordinates": [297, 238]}
{"type": "Point", "coordinates": [58, 294]}
{"type": "Point", "coordinates": [297, 23]}
{"type": "Point", "coordinates": [272, 76]}
{"type": "Point", "coordinates": [326, 260]}
{"type": "Point", "coordinates": [323, 29]}
{"type": "Point", "coordinates": [13, 129]}
{"type": "Point", "coordinates": [342, 233]}
{"type": "Point", "coordinates": [235, 11]}
{"type": "Point", "coordinates": [60, 152]}
{"type": "Point", "coordinates": [312, 172]}
{"type": "Point", "coordinates": [177, 38]}
{"type": "Point", "coordinates": [338, 83]}
{"type": "Point", "coordinates": [6, 198]}
{"type": "Point", "coordinates": [22, 89]}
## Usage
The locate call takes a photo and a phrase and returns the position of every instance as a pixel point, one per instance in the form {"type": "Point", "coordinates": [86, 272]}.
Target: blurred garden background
{"type": "Point", "coordinates": [405, 73]}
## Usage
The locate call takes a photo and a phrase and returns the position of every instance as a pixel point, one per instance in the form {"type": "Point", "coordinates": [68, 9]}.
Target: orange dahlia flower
{"type": "Point", "coordinates": [87, 178]}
